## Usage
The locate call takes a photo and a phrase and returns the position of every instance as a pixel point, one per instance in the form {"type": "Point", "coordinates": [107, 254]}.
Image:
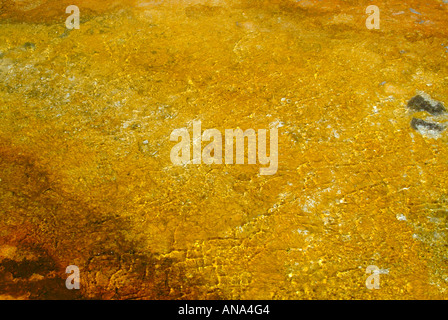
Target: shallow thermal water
{"type": "Point", "coordinates": [86, 177]}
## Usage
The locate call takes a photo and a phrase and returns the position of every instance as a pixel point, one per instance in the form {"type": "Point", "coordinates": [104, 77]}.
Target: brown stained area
{"type": "Point", "coordinates": [41, 220]}
{"type": "Point", "coordinates": [86, 175]}
{"type": "Point", "coordinates": [49, 11]}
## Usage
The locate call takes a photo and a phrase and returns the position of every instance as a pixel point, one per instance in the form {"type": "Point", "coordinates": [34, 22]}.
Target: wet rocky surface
{"type": "Point", "coordinates": [86, 178]}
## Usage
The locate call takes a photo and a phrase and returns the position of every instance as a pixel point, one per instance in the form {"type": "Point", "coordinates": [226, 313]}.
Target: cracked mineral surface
{"type": "Point", "coordinates": [86, 177]}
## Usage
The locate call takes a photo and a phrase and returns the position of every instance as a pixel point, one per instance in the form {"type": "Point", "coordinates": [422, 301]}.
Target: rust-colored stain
{"type": "Point", "coordinates": [86, 177]}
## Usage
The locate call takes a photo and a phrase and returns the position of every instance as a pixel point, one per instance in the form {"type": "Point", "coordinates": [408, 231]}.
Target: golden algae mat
{"type": "Point", "coordinates": [91, 118]}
